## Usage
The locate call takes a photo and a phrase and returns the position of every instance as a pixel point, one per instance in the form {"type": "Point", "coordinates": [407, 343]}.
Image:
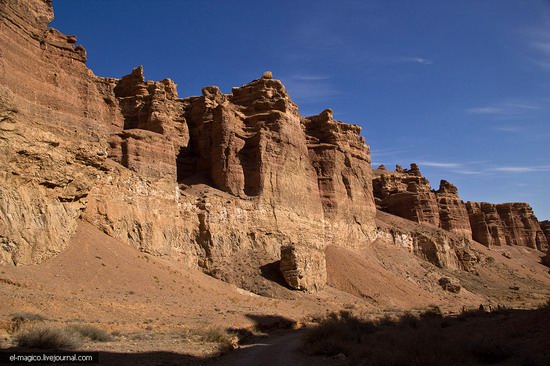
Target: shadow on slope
{"type": "Point", "coordinates": [507, 337]}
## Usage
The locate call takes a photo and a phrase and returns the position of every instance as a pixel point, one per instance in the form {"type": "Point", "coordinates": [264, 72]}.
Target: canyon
{"type": "Point", "coordinates": [127, 205]}
{"type": "Point", "coordinates": [111, 184]}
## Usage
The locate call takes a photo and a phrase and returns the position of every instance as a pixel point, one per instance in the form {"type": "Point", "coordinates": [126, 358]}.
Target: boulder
{"type": "Point", "coordinates": [450, 284]}
{"type": "Point", "coordinates": [303, 268]}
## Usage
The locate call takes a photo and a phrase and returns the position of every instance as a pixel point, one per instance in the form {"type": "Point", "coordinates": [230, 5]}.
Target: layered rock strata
{"type": "Point", "coordinates": [200, 179]}
{"type": "Point", "coordinates": [506, 224]}
{"type": "Point", "coordinates": [303, 269]}
{"type": "Point", "coordinates": [406, 193]}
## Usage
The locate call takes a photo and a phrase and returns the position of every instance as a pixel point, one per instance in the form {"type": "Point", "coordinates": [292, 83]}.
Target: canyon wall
{"type": "Point", "coordinates": [203, 179]}
{"type": "Point", "coordinates": [406, 193]}
{"type": "Point", "coordinates": [200, 179]}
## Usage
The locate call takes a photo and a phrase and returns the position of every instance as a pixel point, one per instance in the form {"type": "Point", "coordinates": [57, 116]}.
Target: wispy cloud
{"type": "Point", "coordinates": [440, 165]}
{"type": "Point", "coordinates": [305, 88]}
{"type": "Point", "coordinates": [509, 129]}
{"type": "Point", "coordinates": [540, 44]}
{"type": "Point", "coordinates": [417, 60]}
{"type": "Point", "coordinates": [389, 152]}
{"type": "Point", "coordinates": [504, 109]}
{"type": "Point", "coordinates": [308, 77]}
{"type": "Point", "coordinates": [523, 169]}
{"type": "Point", "coordinates": [459, 168]}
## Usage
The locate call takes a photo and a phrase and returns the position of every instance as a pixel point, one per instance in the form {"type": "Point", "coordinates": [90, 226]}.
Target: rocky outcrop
{"type": "Point", "coordinates": [545, 226]}
{"type": "Point", "coordinates": [506, 224]}
{"type": "Point", "coordinates": [303, 268]}
{"type": "Point", "coordinates": [154, 128]}
{"type": "Point", "coordinates": [341, 160]}
{"type": "Point", "coordinates": [407, 194]}
{"type": "Point", "coordinates": [453, 215]}
{"type": "Point", "coordinates": [53, 130]}
{"type": "Point", "coordinates": [439, 247]}
{"type": "Point", "coordinates": [200, 179]}
{"type": "Point", "coordinates": [450, 284]}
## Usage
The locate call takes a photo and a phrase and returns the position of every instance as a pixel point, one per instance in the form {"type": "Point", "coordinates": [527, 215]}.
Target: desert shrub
{"type": "Point", "coordinates": [410, 320]}
{"type": "Point", "coordinates": [223, 339]}
{"type": "Point", "coordinates": [432, 313]}
{"type": "Point", "coordinates": [92, 333]}
{"type": "Point", "coordinates": [337, 333]}
{"type": "Point", "coordinates": [47, 337]}
{"type": "Point", "coordinates": [19, 320]}
{"type": "Point", "coordinates": [545, 306]}
{"type": "Point", "coordinates": [491, 352]}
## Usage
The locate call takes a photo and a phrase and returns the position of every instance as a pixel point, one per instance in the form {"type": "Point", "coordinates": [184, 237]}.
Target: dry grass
{"type": "Point", "coordinates": [22, 319]}
{"type": "Point", "coordinates": [224, 340]}
{"type": "Point", "coordinates": [425, 339]}
{"type": "Point", "coordinates": [92, 333]}
{"type": "Point", "coordinates": [48, 337]}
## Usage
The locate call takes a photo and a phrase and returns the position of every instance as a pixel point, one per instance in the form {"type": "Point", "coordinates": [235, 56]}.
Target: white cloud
{"type": "Point", "coordinates": [418, 60]}
{"type": "Point", "coordinates": [523, 169]}
{"type": "Point", "coordinates": [486, 110]}
{"type": "Point", "coordinates": [307, 77]}
{"type": "Point", "coordinates": [304, 88]}
{"type": "Point", "coordinates": [440, 165]}
{"type": "Point", "coordinates": [504, 109]}
{"type": "Point", "coordinates": [509, 129]}
{"type": "Point", "coordinates": [457, 168]}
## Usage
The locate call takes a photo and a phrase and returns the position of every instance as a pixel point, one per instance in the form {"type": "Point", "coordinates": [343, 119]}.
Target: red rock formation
{"type": "Point", "coordinates": [342, 164]}
{"type": "Point", "coordinates": [506, 223]}
{"type": "Point", "coordinates": [545, 227]}
{"type": "Point", "coordinates": [202, 178]}
{"type": "Point", "coordinates": [154, 128]}
{"type": "Point", "coordinates": [453, 215]}
{"type": "Point", "coordinates": [406, 193]}
{"type": "Point", "coordinates": [487, 227]}
{"type": "Point", "coordinates": [53, 130]}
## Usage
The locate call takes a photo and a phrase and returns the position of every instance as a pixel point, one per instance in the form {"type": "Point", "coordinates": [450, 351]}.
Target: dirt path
{"type": "Point", "coordinates": [282, 349]}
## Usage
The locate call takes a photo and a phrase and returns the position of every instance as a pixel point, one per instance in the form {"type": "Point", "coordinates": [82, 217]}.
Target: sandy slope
{"type": "Point", "coordinates": [149, 300]}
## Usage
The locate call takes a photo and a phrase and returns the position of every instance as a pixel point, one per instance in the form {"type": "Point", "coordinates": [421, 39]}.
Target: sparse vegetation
{"type": "Point", "coordinates": [428, 338]}
{"type": "Point", "coordinates": [92, 333]}
{"type": "Point", "coordinates": [48, 337]}
{"type": "Point", "coordinates": [224, 340]}
{"type": "Point", "coordinates": [19, 320]}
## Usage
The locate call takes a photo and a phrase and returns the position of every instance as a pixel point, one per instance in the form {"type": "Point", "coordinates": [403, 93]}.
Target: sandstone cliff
{"type": "Point", "coordinates": [406, 193]}
{"type": "Point", "coordinates": [210, 180]}
{"type": "Point", "coordinates": [200, 178]}
{"type": "Point", "coordinates": [506, 224]}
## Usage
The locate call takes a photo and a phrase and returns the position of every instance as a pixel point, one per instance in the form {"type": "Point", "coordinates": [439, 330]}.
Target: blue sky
{"type": "Point", "coordinates": [460, 87]}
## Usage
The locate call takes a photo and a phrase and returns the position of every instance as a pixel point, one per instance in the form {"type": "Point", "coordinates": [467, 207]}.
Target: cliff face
{"type": "Point", "coordinates": [200, 179]}
{"type": "Point", "coordinates": [506, 224]}
{"type": "Point", "coordinates": [453, 215]}
{"type": "Point", "coordinates": [545, 226]}
{"type": "Point", "coordinates": [53, 128]}
{"type": "Point", "coordinates": [204, 179]}
{"type": "Point", "coordinates": [407, 194]}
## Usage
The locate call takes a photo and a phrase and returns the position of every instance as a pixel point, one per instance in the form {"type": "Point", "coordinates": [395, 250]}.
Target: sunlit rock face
{"type": "Point", "coordinates": [406, 193]}
{"type": "Point", "coordinates": [201, 179]}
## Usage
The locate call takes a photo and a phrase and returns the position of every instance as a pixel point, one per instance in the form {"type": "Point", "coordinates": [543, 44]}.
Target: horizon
{"type": "Point", "coordinates": [473, 78]}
